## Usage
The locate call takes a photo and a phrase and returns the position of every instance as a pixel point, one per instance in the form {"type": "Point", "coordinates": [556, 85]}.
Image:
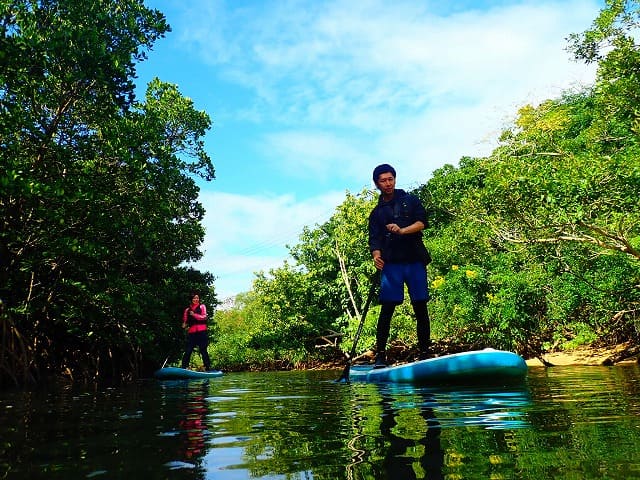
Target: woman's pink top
{"type": "Point", "coordinates": [198, 320]}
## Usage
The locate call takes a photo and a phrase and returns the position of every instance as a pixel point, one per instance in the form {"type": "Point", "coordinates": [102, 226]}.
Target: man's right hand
{"type": "Point", "coordinates": [377, 260]}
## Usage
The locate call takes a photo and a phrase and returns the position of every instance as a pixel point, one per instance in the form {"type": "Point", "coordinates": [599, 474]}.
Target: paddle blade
{"type": "Point", "coordinates": [344, 378]}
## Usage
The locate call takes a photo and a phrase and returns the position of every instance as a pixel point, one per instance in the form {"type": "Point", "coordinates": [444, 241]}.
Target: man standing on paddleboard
{"type": "Point", "coordinates": [395, 242]}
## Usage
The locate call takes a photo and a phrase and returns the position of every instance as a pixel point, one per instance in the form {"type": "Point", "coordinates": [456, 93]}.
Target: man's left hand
{"type": "Point", "coordinates": [394, 228]}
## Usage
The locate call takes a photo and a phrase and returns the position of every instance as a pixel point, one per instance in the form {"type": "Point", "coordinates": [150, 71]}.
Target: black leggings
{"type": "Point", "coordinates": [423, 327]}
{"type": "Point", "coordinates": [200, 340]}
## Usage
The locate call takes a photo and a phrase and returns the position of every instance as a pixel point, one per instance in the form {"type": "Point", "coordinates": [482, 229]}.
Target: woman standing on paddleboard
{"type": "Point", "coordinates": [194, 319]}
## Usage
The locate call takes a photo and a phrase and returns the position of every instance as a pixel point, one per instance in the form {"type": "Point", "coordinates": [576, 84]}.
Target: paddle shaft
{"type": "Point", "coordinates": [363, 316]}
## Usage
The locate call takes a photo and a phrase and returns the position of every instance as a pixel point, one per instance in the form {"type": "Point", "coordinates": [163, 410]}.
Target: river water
{"type": "Point", "coordinates": [562, 423]}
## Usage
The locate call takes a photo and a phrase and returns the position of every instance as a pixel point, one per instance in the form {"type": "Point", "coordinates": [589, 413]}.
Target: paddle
{"type": "Point", "coordinates": [345, 373]}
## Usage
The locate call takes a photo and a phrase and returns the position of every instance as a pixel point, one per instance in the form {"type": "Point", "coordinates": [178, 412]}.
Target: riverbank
{"type": "Point", "coordinates": [589, 355]}
{"type": "Point", "coordinates": [584, 355]}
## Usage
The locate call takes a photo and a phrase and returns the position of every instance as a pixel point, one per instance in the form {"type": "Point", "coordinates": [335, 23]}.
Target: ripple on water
{"type": "Point", "coordinates": [562, 423]}
{"type": "Point", "coordinates": [221, 399]}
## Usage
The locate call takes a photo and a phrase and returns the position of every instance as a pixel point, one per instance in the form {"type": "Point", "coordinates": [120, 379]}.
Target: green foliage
{"type": "Point", "coordinates": [535, 246]}
{"type": "Point", "coordinates": [252, 336]}
{"type": "Point", "coordinates": [99, 208]}
{"type": "Point", "coordinates": [458, 297]}
{"type": "Point", "coordinates": [292, 310]}
{"type": "Point", "coordinates": [515, 308]}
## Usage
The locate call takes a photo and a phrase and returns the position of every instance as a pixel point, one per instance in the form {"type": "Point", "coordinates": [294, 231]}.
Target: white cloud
{"type": "Point", "coordinates": [246, 234]}
{"type": "Point", "coordinates": [316, 154]}
{"type": "Point", "coordinates": [380, 68]}
{"type": "Point", "coordinates": [364, 51]}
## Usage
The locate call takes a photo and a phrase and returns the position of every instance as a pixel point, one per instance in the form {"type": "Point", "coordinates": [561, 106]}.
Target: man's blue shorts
{"type": "Point", "coordinates": [395, 275]}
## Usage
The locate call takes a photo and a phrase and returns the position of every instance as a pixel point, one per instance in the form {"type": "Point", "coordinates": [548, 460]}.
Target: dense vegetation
{"type": "Point", "coordinates": [99, 208]}
{"type": "Point", "coordinates": [535, 246]}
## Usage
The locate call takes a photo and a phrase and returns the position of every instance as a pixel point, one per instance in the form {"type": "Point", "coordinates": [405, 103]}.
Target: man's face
{"type": "Point", "coordinates": [386, 183]}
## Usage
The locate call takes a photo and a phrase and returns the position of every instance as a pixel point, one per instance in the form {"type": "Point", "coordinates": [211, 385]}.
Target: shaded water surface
{"type": "Point", "coordinates": [564, 422]}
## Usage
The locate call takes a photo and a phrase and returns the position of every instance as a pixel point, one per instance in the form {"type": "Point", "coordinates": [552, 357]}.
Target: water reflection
{"type": "Point", "coordinates": [193, 425]}
{"type": "Point", "coordinates": [399, 428]}
{"type": "Point", "coordinates": [414, 449]}
{"type": "Point", "coordinates": [563, 423]}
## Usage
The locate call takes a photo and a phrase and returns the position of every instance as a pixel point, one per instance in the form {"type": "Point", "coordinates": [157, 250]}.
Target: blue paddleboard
{"type": "Point", "coordinates": [486, 365]}
{"type": "Point", "coordinates": [175, 373]}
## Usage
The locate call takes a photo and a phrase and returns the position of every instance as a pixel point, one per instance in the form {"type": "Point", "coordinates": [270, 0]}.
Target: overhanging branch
{"type": "Point", "coordinates": [601, 237]}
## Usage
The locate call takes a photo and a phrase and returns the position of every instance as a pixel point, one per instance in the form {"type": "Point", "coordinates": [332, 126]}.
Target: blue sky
{"type": "Point", "coordinates": [307, 97]}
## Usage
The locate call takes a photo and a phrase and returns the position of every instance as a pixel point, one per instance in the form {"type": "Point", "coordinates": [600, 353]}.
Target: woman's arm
{"type": "Point", "coordinates": [203, 313]}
